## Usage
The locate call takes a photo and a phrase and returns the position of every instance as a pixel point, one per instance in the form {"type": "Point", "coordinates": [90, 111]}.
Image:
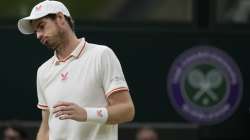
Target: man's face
{"type": "Point", "coordinates": [48, 32]}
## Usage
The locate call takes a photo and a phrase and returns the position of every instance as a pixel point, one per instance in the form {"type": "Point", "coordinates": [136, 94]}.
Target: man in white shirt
{"type": "Point", "coordinates": [81, 90]}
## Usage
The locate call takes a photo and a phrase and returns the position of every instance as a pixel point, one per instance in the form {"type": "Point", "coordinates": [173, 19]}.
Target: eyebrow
{"type": "Point", "coordinates": [40, 22]}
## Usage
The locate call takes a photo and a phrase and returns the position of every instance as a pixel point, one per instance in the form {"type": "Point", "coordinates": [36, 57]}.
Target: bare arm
{"type": "Point", "coordinates": [43, 132]}
{"type": "Point", "coordinates": [121, 108]}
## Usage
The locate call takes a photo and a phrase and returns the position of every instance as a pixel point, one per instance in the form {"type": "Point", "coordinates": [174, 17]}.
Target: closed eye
{"type": "Point", "coordinates": [41, 26]}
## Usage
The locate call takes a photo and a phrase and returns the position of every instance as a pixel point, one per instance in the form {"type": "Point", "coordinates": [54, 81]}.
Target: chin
{"type": "Point", "coordinates": [50, 46]}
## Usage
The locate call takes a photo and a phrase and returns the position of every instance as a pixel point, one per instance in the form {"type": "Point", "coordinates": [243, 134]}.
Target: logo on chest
{"type": "Point", "coordinates": [64, 76]}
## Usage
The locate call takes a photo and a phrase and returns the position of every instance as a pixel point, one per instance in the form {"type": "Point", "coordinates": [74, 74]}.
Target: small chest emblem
{"type": "Point", "coordinates": [64, 76]}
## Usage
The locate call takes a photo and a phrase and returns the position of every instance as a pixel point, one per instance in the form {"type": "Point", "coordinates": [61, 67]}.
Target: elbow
{"type": "Point", "coordinates": [131, 113]}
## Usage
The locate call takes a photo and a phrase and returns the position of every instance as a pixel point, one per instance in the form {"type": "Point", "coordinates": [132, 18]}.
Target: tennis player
{"type": "Point", "coordinates": [82, 92]}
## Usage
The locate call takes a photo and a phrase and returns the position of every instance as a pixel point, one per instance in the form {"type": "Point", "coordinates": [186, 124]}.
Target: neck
{"type": "Point", "coordinates": [69, 43]}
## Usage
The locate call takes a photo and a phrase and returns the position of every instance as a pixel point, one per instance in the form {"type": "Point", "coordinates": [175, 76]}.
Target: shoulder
{"type": "Point", "coordinates": [46, 65]}
{"type": "Point", "coordinates": [98, 50]}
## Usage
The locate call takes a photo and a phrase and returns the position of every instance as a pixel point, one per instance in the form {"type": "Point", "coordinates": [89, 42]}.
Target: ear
{"type": "Point", "coordinates": [60, 18]}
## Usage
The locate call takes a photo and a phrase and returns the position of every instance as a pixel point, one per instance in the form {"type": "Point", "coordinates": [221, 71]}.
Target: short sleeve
{"type": "Point", "coordinates": [40, 94]}
{"type": "Point", "coordinates": [113, 79]}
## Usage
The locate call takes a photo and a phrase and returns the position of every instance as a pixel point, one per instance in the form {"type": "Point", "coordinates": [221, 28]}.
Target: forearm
{"type": "Point", "coordinates": [120, 109]}
{"type": "Point", "coordinates": [120, 113]}
{"type": "Point", "coordinates": [43, 134]}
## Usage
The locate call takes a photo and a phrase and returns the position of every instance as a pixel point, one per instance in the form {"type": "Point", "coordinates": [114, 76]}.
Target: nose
{"type": "Point", "coordinates": [39, 35]}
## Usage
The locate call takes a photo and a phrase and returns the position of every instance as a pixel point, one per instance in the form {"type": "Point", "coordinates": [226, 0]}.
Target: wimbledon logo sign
{"type": "Point", "coordinates": [204, 85]}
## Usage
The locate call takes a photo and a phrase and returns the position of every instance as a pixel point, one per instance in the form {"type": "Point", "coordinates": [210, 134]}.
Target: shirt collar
{"type": "Point", "coordinates": [76, 53]}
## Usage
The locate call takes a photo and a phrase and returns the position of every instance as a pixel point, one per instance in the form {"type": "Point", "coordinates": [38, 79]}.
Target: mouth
{"type": "Point", "coordinates": [43, 41]}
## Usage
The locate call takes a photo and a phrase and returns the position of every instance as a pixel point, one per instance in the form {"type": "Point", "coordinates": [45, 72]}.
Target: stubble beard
{"type": "Point", "coordinates": [56, 42]}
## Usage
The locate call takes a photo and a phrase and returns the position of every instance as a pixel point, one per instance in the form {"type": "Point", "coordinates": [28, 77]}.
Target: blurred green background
{"type": "Point", "coordinates": [162, 10]}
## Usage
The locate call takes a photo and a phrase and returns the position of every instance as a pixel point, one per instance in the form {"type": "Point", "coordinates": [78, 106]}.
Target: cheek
{"type": "Point", "coordinates": [56, 31]}
{"type": "Point", "coordinates": [50, 30]}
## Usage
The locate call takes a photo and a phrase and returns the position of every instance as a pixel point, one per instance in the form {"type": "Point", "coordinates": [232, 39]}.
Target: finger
{"type": "Point", "coordinates": [61, 113]}
{"type": "Point", "coordinates": [61, 108]}
{"type": "Point", "coordinates": [66, 116]}
{"type": "Point", "coordinates": [62, 103]}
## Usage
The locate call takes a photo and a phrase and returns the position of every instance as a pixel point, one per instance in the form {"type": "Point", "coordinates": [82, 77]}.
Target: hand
{"type": "Point", "coordinates": [68, 110]}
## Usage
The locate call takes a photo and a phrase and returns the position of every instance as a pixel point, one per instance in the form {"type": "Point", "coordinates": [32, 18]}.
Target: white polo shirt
{"type": "Point", "coordinates": [87, 77]}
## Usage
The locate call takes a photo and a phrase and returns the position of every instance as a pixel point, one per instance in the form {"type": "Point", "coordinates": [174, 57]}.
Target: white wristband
{"type": "Point", "coordinates": [97, 115]}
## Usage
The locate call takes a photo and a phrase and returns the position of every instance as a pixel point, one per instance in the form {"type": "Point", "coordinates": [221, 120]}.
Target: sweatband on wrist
{"type": "Point", "coordinates": [97, 115]}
